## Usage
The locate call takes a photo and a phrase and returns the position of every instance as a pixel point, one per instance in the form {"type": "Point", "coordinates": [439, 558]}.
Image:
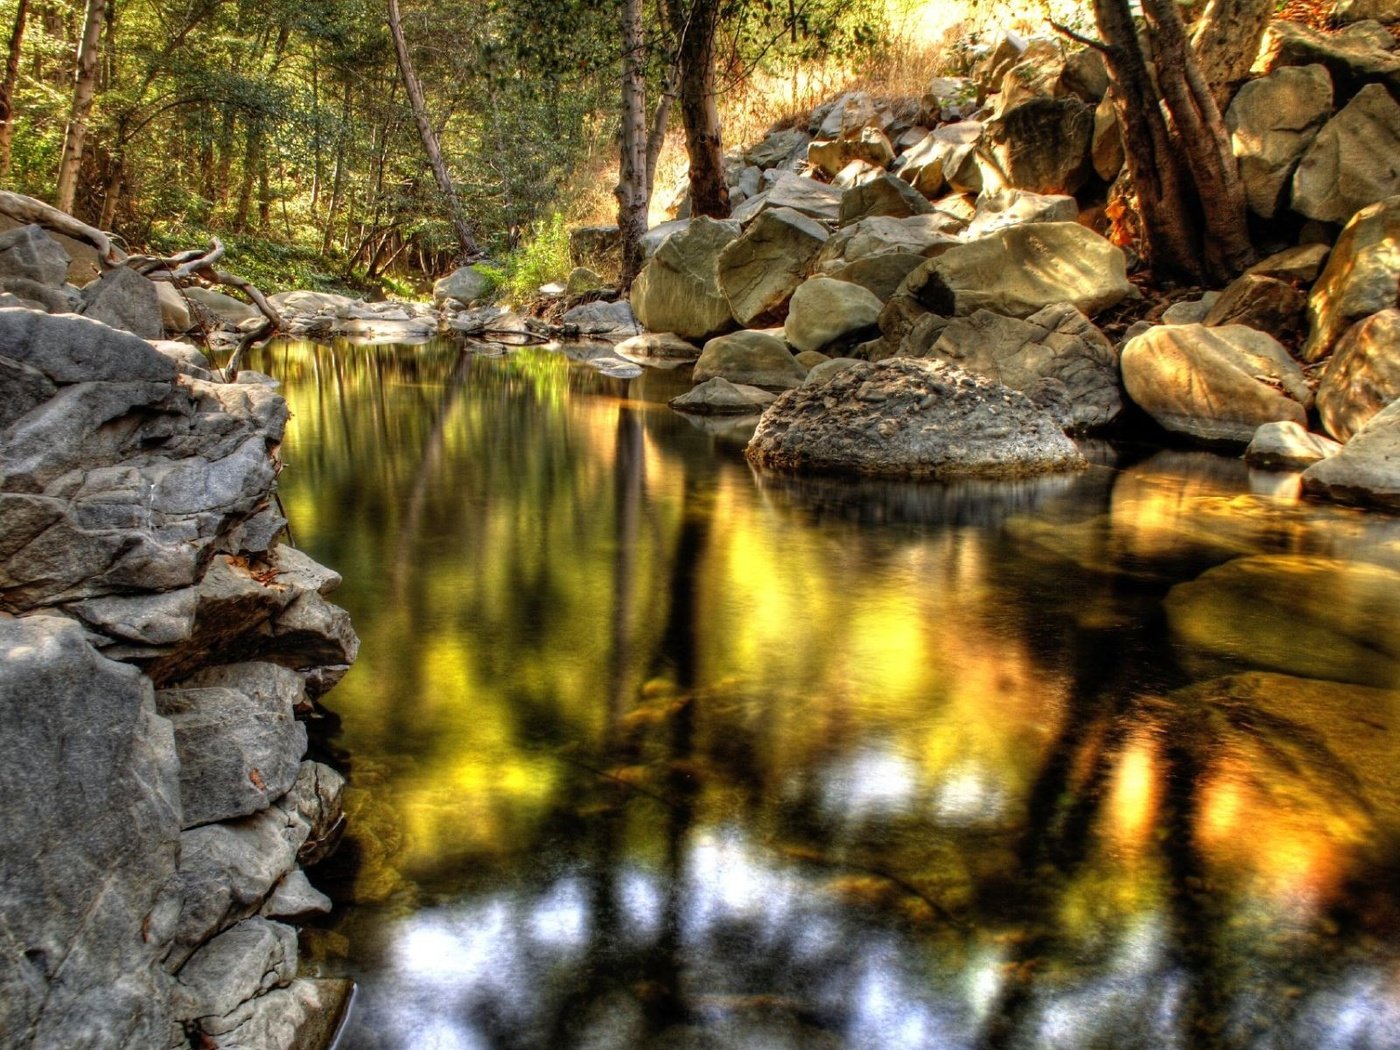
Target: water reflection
{"type": "Point", "coordinates": [647, 751]}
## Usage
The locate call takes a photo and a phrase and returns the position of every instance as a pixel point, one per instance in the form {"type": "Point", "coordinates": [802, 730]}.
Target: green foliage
{"type": "Point", "coordinates": [543, 257]}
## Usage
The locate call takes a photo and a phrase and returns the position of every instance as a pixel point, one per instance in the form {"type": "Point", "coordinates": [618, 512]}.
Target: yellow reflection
{"type": "Point", "coordinates": [1136, 794]}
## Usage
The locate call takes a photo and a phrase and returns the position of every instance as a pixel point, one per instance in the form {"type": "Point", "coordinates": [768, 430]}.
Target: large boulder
{"type": "Point", "coordinates": [122, 298]}
{"type": "Point", "coordinates": [1367, 470]}
{"type": "Point", "coordinates": [946, 157]}
{"type": "Point", "coordinates": [848, 116]}
{"type": "Point", "coordinates": [1272, 122]}
{"type": "Point", "coordinates": [870, 145]}
{"type": "Point", "coordinates": [28, 253]}
{"type": "Point", "coordinates": [1004, 208]}
{"type": "Point", "coordinates": [1362, 376]}
{"type": "Point", "coordinates": [1362, 277]}
{"type": "Point", "coordinates": [1042, 144]}
{"type": "Point", "coordinates": [1217, 385]}
{"type": "Point", "coordinates": [224, 308]}
{"type": "Point", "coordinates": [881, 274]}
{"type": "Point", "coordinates": [1057, 343]}
{"type": "Point", "coordinates": [1287, 446]}
{"type": "Point", "coordinates": [759, 271]}
{"type": "Point", "coordinates": [1352, 63]}
{"type": "Point", "coordinates": [87, 847]}
{"type": "Point", "coordinates": [1387, 12]}
{"type": "Point", "coordinates": [1266, 303]}
{"type": "Point", "coordinates": [907, 418]}
{"type": "Point", "coordinates": [1354, 161]}
{"type": "Point", "coordinates": [925, 235]}
{"type": "Point", "coordinates": [466, 285]}
{"type": "Point", "coordinates": [1023, 269]}
{"type": "Point", "coordinates": [678, 289]}
{"type": "Point", "coordinates": [827, 313]}
{"type": "Point", "coordinates": [749, 359]}
{"type": "Point", "coordinates": [778, 148]}
{"type": "Point", "coordinates": [816, 200]}
{"type": "Point", "coordinates": [884, 195]}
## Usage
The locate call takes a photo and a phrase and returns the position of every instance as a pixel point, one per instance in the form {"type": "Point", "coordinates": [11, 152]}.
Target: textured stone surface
{"type": "Point", "coordinates": [885, 195]}
{"type": "Point", "coordinates": [1302, 263]}
{"type": "Point", "coordinates": [235, 967]}
{"type": "Point", "coordinates": [1287, 446]}
{"type": "Point", "coordinates": [1351, 63]}
{"type": "Point", "coordinates": [870, 145]}
{"type": "Point", "coordinates": [1362, 375]}
{"type": "Point", "coordinates": [1265, 303]}
{"type": "Point", "coordinates": [749, 359]}
{"type": "Point", "coordinates": [816, 200]}
{"type": "Point", "coordinates": [76, 350]}
{"type": "Point", "coordinates": [1042, 144]}
{"type": "Point", "coordinates": [1367, 470]}
{"type": "Point", "coordinates": [926, 235]}
{"type": "Point", "coordinates": [1272, 122]}
{"type": "Point", "coordinates": [88, 842]}
{"type": "Point", "coordinates": [1214, 384]}
{"type": "Point", "coordinates": [825, 313]}
{"type": "Point", "coordinates": [23, 388]}
{"type": "Point", "coordinates": [124, 299]}
{"type": "Point", "coordinates": [998, 211]}
{"type": "Point", "coordinates": [1023, 269]}
{"type": "Point", "coordinates": [759, 271]}
{"type": "Point", "coordinates": [880, 274]}
{"type": "Point", "coordinates": [720, 397]}
{"type": "Point", "coordinates": [665, 346]}
{"type": "Point", "coordinates": [1354, 161]}
{"type": "Point", "coordinates": [31, 253]}
{"type": "Point", "coordinates": [1362, 277]}
{"type": "Point", "coordinates": [910, 418]}
{"type": "Point", "coordinates": [678, 290]}
{"type": "Point", "coordinates": [465, 284]}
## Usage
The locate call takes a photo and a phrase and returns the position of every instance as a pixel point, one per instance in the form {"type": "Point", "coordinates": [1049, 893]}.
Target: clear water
{"type": "Point", "coordinates": [647, 750]}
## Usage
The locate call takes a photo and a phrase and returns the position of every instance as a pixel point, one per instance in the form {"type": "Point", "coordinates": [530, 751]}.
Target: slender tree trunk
{"type": "Point", "coordinates": [1225, 40]}
{"type": "Point", "coordinates": [252, 164]}
{"type": "Point", "coordinates": [428, 135]}
{"type": "Point", "coordinates": [695, 42]}
{"type": "Point", "coordinates": [7, 91]}
{"type": "Point", "coordinates": [338, 178]}
{"type": "Point", "coordinates": [632, 192]}
{"type": "Point", "coordinates": [112, 192]}
{"type": "Point", "coordinates": [84, 90]}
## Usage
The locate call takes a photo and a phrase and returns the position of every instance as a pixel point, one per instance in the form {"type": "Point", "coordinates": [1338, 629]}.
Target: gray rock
{"type": "Point", "coordinates": [925, 235]}
{"type": "Point", "coordinates": [150, 619]}
{"type": "Point", "coordinates": [1042, 144]}
{"type": "Point", "coordinates": [301, 1015]}
{"type": "Point", "coordinates": [76, 349]}
{"type": "Point", "coordinates": [1106, 144]}
{"type": "Point", "coordinates": [1056, 343]}
{"type": "Point", "coordinates": [123, 299]}
{"type": "Point", "coordinates": [1362, 376]}
{"type": "Point", "coordinates": [175, 315]}
{"type": "Point", "coordinates": [22, 389]}
{"type": "Point", "coordinates": [600, 318]}
{"type": "Point", "coordinates": [660, 346]}
{"type": "Point", "coordinates": [778, 148]}
{"type": "Point", "coordinates": [881, 274]}
{"type": "Point", "coordinates": [718, 396]}
{"type": "Point", "coordinates": [1302, 264]}
{"type": "Point", "coordinates": [1354, 161]}
{"type": "Point", "coordinates": [655, 237]}
{"type": "Point", "coordinates": [224, 308]}
{"type": "Point", "coordinates": [823, 373]}
{"type": "Point", "coordinates": [885, 195]}
{"type": "Point", "coordinates": [1361, 277]}
{"type": "Point", "coordinates": [1190, 311]}
{"type": "Point", "coordinates": [304, 301]}
{"type": "Point", "coordinates": [1287, 446]}
{"type": "Point", "coordinates": [1020, 270]}
{"type": "Point", "coordinates": [1006, 208]}
{"type": "Point", "coordinates": [30, 253]}
{"type": "Point", "coordinates": [912, 419]}
{"type": "Point", "coordinates": [816, 200]}
{"type": "Point", "coordinates": [828, 313]}
{"type": "Point", "coordinates": [1351, 63]}
{"type": "Point", "coordinates": [678, 290]}
{"type": "Point", "coordinates": [1367, 470]}
{"type": "Point", "coordinates": [848, 116]}
{"type": "Point", "coordinates": [1272, 122]}
{"type": "Point", "coordinates": [759, 271]}
{"type": "Point", "coordinates": [947, 156]}
{"type": "Point", "coordinates": [316, 800]}
{"type": "Point", "coordinates": [1386, 12]}
{"type": "Point", "coordinates": [749, 359]}
{"type": "Point", "coordinates": [188, 360]}
{"type": "Point", "coordinates": [869, 145]}
{"type": "Point", "coordinates": [89, 841]}
{"type": "Point", "coordinates": [236, 967]}
{"type": "Point", "coordinates": [296, 900]}
{"type": "Point", "coordinates": [466, 284]}
{"type": "Point", "coordinates": [1217, 385]}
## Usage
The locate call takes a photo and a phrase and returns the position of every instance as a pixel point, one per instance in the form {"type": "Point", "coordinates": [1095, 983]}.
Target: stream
{"type": "Point", "coordinates": [648, 751]}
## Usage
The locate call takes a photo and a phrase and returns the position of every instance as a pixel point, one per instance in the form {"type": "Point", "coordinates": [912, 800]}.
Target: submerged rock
{"type": "Point", "coordinates": [1287, 446]}
{"type": "Point", "coordinates": [910, 418]}
{"type": "Point", "coordinates": [720, 397]}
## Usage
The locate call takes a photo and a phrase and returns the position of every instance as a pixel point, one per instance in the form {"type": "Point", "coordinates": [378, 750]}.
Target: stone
{"type": "Point", "coordinates": [236, 967]}
{"type": "Point", "coordinates": [1106, 143]}
{"type": "Point", "coordinates": [147, 619]}
{"type": "Point", "coordinates": [175, 316]}
{"type": "Point", "coordinates": [1362, 375]}
{"type": "Point", "coordinates": [823, 373]}
{"type": "Point", "coordinates": [1265, 303]}
{"type": "Point", "coordinates": [239, 743]}
{"type": "Point", "coordinates": [70, 349]}
{"type": "Point", "coordinates": [1042, 144]}
{"type": "Point", "coordinates": [886, 195]}
{"type": "Point", "coordinates": [881, 273]}
{"type": "Point", "coordinates": [30, 253]}
{"type": "Point", "coordinates": [123, 299]}
{"type": "Point", "coordinates": [778, 148]}
{"type": "Point", "coordinates": [88, 844]}
{"type": "Point", "coordinates": [317, 800]}
{"type": "Point", "coordinates": [827, 313]}
{"type": "Point", "coordinates": [1287, 446]}
{"type": "Point", "coordinates": [1056, 343]}
{"type": "Point", "coordinates": [1023, 269]}
{"type": "Point", "coordinates": [947, 157]}
{"type": "Point", "coordinates": [1368, 33]}
{"type": "Point", "coordinates": [999, 60]}
{"type": "Point", "coordinates": [603, 318]}
{"type": "Point", "coordinates": [870, 145]}
{"type": "Point", "coordinates": [1190, 311]}
{"type": "Point", "coordinates": [1387, 12]}
{"type": "Point", "coordinates": [1351, 63]}
{"type": "Point", "coordinates": [655, 237]}
{"type": "Point", "coordinates": [303, 1014]}
{"type": "Point", "coordinates": [466, 284]}
{"type": "Point", "coordinates": [23, 388]}
{"type": "Point", "coordinates": [664, 346]}
{"type": "Point", "coordinates": [597, 247]}
{"type": "Point", "coordinates": [814, 199]}
{"type": "Point", "coordinates": [849, 115]}
{"type": "Point", "coordinates": [1354, 161]}
{"type": "Point", "coordinates": [296, 900]}
{"type": "Point", "coordinates": [1216, 385]}
{"type": "Point", "coordinates": [678, 289]}
{"type": "Point", "coordinates": [1005, 208]}
{"type": "Point", "coordinates": [856, 173]}
{"type": "Point", "coordinates": [1362, 277]}
{"type": "Point", "coordinates": [908, 418]}
{"type": "Point", "coordinates": [924, 235]}
{"type": "Point", "coordinates": [305, 301]}
{"type": "Point", "coordinates": [948, 99]}
{"type": "Point", "coordinates": [749, 359]}
{"type": "Point", "coordinates": [1272, 122]}
{"type": "Point", "coordinates": [1300, 264]}
{"type": "Point", "coordinates": [224, 308]}
{"type": "Point", "coordinates": [1259, 609]}
{"type": "Point", "coordinates": [759, 271]}
{"type": "Point", "coordinates": [583, 281]}
{"type": "Point", "coordinates": [1084, 75]}
{"type": "Point", "coordinates": [1367, 471]}
{"type": "Point", "coordinates": [718, 396]}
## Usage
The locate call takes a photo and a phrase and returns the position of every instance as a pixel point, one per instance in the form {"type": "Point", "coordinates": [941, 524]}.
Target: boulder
{"type": "Point", "coordinates": [1351, 63]}
{"type": "Point", "coordinates": [924, 235]}
{"type": "Point", "coordinates": [1366, 33]}
{"type": "Point", "coordinates": [881, 274]}
{"type": "Point", "coordinates": [1217, 385]}
{"type": "Point", "coordinates": [759, 271]}
{"type": "Point", "coordinates": [235, 968]}
{"type": "Point", "coordinates": [827, 313]}
{"type": "Point", "coordinates": [778, 148]}
{"type": "Point", "coordinates": [816, 200]}
{"type": "Point", "coordinates": [998, 61]}
{"type": "Point", "coordinates": [1189, 311]}
{"type": "Point", "coordinates": [1300, 264]}
{"type": "Point", "coordinates": [856, 173]}
{"type": "Point", "coordinates": [948, 99]}
{"type": "Point", "coordinates": [603, 319]}
{"type": "Point", "coordinates": [29, 253]}
{"type": "Point", "coordinates": [1020, 270]}
{"type": "Point", "coordinates": [597, 247]}
{"type": "Point", "coordinates": [1084, 75]}
{"type": "Point", "coordinates": [947, 157]}
{"type": "Point", "coordinates": [1272, 122]}
{"type": "Point", "coordinates": [1042, 144]}
{"type": "Point", "coordinates": [1367, 470]}
{"type": "Point", "coordinates": [678, 289]}
{"type": "Point", "coordinates": [583, 281]}
{"type": "Point", "coordinates": [1004, 208]}
{"type": "Point", "coordinates": [885, 195]}
{"type": "Point", "coordinates": [1106, 144]}
{"type": "Point", "coordinates": [1056, 343]}
{"type": "Point", "coordinates": [1287, 446]}
{"type": "Point", "coordinates": [870, 145]}
{"type": "Point", "coordinates": [1362, 376]}
{"type": "Point", "coordinates": [88, 844]}
{"type": "Point", "coordinates": [908, 418]}
{"type": "Point", "coordinates": [1265, 303]}
{"type": "Point", "coordinates": [122, 298]}
{"type": "Point", "coordinates": [1387, 12]}
{"type": "Point", "coordinates": [76, 350]}
{"type": "Point", "coordinates": [466, 284]}
{"type": "Point", "coordinates": [718, 396]}
{"type": "Point", "coordinates": [175, 317]}
{"type": "Point", "coordinates": [663, 346]}
{"type": "Point", "coordinates": [849, 115]}
{"type": "Point", "coordinates": [824, 372]}
{"type": "Point", "coordinates": [655, 237]}
{"type": "Point", "coordinates": [23, 388]}
{"type": "Point", "coordinates": [749, 359]}
{"type": "Point", "coordinates": [1361, 277]}
{"type": "Point", "coordinates": [296, 900]}
{"type": "Point", "coordinates": [225, 308]}
{"type": "Point", "coordinates": [1354, 161]}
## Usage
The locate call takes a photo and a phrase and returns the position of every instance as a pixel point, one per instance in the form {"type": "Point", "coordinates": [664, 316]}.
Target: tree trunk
{"type": "Point", "coordinates": [252, 163]}
{"type": "Point", "coordinates": [428, 135]}
{"type": "Point", "coordinates": [1225, 40]}
{"type": "Point", "coordinates": [84, 89]}
{"type": "Point", "coordinates": [7, 91]}
{"type": "Point", "coordinates": [695, 44]}
{"type": "Point", "coordinates": [633, 192]}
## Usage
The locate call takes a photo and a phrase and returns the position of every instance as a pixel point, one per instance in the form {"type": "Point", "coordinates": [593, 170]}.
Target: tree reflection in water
{"type": "Point", "coordinates": [646, 751]}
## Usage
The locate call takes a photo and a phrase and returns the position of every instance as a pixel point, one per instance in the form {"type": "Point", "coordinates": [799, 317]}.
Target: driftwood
{"type": "Point", "coordinates": [182, 269]}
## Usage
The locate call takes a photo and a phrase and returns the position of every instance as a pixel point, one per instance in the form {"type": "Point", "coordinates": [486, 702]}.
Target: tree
{"type": "Point", "coordinates": [7, 91]}
{"type": "Point", "coordinates": [84, 90]}
{"type": "Point", "coordinates": [693, 26]}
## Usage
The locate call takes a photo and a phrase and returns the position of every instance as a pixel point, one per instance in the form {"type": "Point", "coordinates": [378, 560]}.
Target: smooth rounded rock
{"type": "Point", "coordinates": [824, 312]}
{"type": "Point", "coordinates": [749, 358]}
